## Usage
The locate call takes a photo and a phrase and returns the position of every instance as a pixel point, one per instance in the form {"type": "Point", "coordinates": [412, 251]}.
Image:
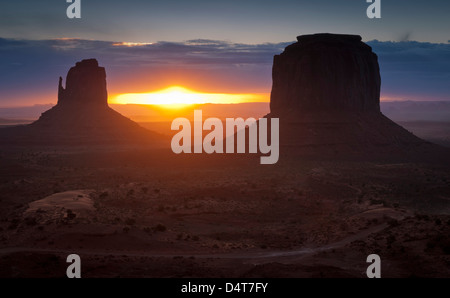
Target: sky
{"type": "Point", "coordinates": [212, 46]}
{"type": "Point", "coordinates": [242, 21]}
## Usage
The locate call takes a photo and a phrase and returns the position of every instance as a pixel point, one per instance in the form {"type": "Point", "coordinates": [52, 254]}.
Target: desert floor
{"type": "Point", "coordinates": [131, 212]}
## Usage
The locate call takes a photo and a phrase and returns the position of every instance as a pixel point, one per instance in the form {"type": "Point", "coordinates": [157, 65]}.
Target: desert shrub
{"type": "Point", "coordinates": [160, 228]}
{"type": "Point", "coordinates": [390, 239]}
{"type": "Point", "coordinates": [30, 221]}
{"type": "Point", "coordinates": [446, 248]}
{"type": "Point", "coordinates": [439, 241]}
{"type": "Point", "coordinates": [14, 224]}
{"type": "Point", "coordinates": [70, 214]}
{"type": "Point", "coordinates": [377, 202]}
{"type": "Point", "coordinates": [422, 217]}
{"type": "Point", "coordinates": [393, 222]}
{"type": "Point", "coordinates": [130, 221]}
{"type": "Point", "coordinates": [343, 226]}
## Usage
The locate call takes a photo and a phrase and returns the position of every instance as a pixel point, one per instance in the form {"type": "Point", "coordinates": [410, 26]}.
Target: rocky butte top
{"type": "Point", "coordinates": [325, 72]}
{"type": "Point", "coordinates": [85, 84]}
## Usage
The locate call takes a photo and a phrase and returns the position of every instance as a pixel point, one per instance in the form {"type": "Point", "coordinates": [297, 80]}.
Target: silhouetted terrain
{"type": "Point", "coordinates": [82, 116]}
{"type": "Point", "coordinates": [350, 182]}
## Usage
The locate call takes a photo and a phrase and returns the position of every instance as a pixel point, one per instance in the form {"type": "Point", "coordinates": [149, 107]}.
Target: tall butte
{"type": "Point", "coordinates": [326, 92]}
{"type": "Point", "coordinates": [85, 85]}
{"type": "Point", "coordinates": [82, 115]}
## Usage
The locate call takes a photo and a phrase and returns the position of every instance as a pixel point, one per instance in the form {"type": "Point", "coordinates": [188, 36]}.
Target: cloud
{"type": "Point", "coordinates": [405, 37]}
{"type": "Point", "coordinates": [38, 63]}
{"type": "Point", "coordinates": [414, 69]}
{"type": "Point", "coordinates": [192, 52]}
{"type": "Point", "coordinates": [29, 67]}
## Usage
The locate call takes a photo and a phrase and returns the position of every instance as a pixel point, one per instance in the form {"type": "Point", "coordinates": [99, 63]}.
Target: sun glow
{"type": "Point", "coordinates": [178, 97]}
{"type": "Point", "coordinates": [131, 44]}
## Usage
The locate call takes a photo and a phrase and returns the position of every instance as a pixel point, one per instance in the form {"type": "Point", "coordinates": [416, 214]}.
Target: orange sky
{"type": "Point", "coordinates": [177, 95]}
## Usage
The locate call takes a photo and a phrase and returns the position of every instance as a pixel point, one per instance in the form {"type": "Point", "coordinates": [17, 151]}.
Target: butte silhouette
{"type": "Point", "coordinates": [82, 115]}
{"type": "Point", "coordinates": [326, 92]}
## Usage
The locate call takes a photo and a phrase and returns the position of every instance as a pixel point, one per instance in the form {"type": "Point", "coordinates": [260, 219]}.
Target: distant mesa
{"type": "Point", "coordinates": [81, 116]}
{"type": "Point", "coordinates": [326, 92]}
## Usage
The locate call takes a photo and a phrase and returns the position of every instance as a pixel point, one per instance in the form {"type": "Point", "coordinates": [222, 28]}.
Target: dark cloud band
{"type": "Point", "coordinates": [408, 68]}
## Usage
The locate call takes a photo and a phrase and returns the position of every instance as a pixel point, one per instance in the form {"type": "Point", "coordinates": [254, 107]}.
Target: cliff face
{"type": "Point", "coordinates": [85, 84]}
{"type": "Point", "coordinates": [325, 72]}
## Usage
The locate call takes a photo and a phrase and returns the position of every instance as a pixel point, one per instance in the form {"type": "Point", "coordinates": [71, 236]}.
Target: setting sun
{"type": "Point", "coordinates": [176, 96]}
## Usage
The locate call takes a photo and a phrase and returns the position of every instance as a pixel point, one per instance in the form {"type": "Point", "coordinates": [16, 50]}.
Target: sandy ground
{"type": "Point", "coordinates": [150, 213]}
